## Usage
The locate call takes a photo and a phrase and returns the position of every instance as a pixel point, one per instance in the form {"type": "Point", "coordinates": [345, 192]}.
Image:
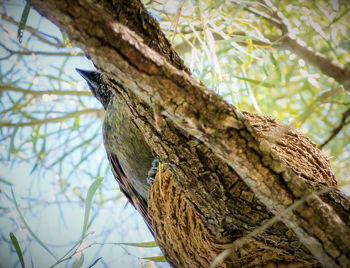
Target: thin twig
{"type": "Point", "coordinates": [335, 131]}
{"type": "Point", "coordinates": [33, 52]}
{"type": "Point", "coordinates": [6, 87]}
{"type": "Point", "coordinates": [51, 120]}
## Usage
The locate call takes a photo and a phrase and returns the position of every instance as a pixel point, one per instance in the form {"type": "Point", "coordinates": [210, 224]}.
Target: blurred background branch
{"type": "Point", "coordinates": [343, 122]}
{"type": "Point", "coordinates": [47, 92]}
{"type": "Point", "coordinates": [98, 112]}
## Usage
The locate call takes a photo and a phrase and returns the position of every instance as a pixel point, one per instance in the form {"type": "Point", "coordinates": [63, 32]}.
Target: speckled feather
{"type": "Point", "coordinates": [128, 190]}
{"type": "Point", "coordinates": [129, 155]}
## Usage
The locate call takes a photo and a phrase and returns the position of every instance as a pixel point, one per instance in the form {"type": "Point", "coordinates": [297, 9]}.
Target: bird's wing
{"type": "Point", "coordinates": [127, 189]}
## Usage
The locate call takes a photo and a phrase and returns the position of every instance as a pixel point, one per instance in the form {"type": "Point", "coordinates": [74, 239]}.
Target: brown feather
{"type": "Point", "coordinates": [139, 203]}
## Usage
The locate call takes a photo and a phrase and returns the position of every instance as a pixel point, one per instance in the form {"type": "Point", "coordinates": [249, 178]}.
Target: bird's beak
{"type": "Point", "coordinates": [87, 75]}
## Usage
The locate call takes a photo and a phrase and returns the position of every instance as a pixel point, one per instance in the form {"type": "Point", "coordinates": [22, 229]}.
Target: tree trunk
{"type": "Point", "coordinates": [225, 173]}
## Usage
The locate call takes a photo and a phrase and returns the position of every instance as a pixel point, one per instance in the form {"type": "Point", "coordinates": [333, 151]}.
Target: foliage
{"type": "Point", "coordinates": [231, 47]}
{"type": "Point", "coordinates": [239, 49]}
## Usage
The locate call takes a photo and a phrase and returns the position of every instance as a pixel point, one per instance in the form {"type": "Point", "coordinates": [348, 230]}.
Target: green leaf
{"type": "Point", "coordinates": [88, 203]}
{"type": "Point", "coordinates": [76, 122]}
{"type": "Point", "coordinates": [152, 244]}
{"type": "Point", "coordinates": [34, 167]}
{"type": "Point", "coordinates": [277, 66]}
{"type": "Point", "coordinates": [344, 44]}
{"type": "Point", "coordinates": [28, 228]}
{"type": "Point", "coordinates": [96, 261]}
{"type": "Point", "coordinates": [18, 248]}
{"type": "Point", "coordinates": [237, 59]}
{"type": "Point", "coordinates": [265, 84]}
{"type": "Point", "coordinates": [23, 22]}
{"type": "Point", "coordinates": [6, 181]}
{"type": "Point", "coordinates": [67, 43]}
{"type": "Point", "coordinates": [156, 258]}
{"type": "Point", "coordinates": [79, 262]}
{"type": "Point", "coordinates": [249, 50]}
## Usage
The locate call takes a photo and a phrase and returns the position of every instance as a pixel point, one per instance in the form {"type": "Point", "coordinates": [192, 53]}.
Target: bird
{"type": "Point", "coordinates": [132, 161]}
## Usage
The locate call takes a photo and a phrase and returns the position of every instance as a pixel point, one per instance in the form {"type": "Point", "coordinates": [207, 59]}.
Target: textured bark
{"type": "Point", "coordinates": [228, 171]}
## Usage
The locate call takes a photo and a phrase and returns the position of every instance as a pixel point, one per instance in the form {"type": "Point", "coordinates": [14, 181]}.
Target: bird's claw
{"type": "Point", "coordinates": [152, 172]}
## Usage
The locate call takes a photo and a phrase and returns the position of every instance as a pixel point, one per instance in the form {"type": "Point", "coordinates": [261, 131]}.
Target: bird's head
{"type": "Point", "coordinates": [98, 87]}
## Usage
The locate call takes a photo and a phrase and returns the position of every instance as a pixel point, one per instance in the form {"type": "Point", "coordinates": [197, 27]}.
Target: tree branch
{"type": "Point", "coordinates": [184, 47]}
{"type": "Point", "coordinates": [335, 131]}
{"type": "Point", "coordinates": [243, 240]}
{"type": "Point", "coordinates": [330, 68]}
{"type": "Point", "coordinates": [240, 140]}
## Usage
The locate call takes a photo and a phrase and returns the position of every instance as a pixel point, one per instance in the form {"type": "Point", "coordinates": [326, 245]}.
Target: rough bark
{"type": "Point", "coordinates": [229, 171]}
